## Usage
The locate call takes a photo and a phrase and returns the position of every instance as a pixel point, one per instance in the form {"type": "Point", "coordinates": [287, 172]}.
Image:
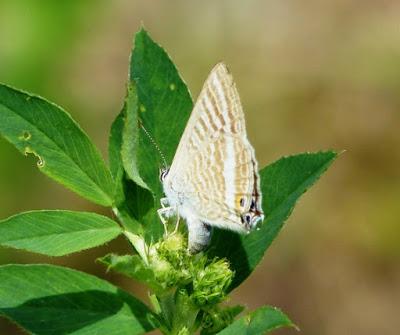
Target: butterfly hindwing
{"type": "Point", "coordinates": [225, 184]}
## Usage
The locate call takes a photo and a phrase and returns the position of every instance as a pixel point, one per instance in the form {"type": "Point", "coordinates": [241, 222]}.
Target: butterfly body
{"type": "Point", "coordinates": [213, 180]}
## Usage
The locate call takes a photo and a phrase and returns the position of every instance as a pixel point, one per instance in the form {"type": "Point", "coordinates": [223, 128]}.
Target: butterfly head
{"type": "Point", "coordinates": [163, 173]}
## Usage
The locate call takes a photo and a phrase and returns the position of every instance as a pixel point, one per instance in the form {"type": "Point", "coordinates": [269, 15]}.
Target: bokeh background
{"type": "Point", "coordinates": [312, 75]}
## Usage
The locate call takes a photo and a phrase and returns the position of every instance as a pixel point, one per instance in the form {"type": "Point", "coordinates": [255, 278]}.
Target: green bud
{"type": "Point", "coordinates": [170, 261]}
{"type": "Point", "coordinates": [211, 283]}
{"type": "Point", "coordinates": [175, 242]}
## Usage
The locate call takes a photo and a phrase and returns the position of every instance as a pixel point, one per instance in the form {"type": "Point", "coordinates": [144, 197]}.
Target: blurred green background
{"type": "Point", "coordinates": [312, 75]}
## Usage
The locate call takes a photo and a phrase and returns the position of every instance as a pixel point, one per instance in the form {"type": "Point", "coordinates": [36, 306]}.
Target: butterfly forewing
{"type": "Point", "coordinates": [214, 169]}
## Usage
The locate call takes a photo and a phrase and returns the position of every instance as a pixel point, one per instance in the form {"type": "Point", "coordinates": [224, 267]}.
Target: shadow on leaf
{"type": "Point", "coordinates": [68, 313]}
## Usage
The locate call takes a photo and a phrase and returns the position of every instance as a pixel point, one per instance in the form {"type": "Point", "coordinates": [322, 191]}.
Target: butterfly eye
{"type": "Point", "coordinates": [163, 174]}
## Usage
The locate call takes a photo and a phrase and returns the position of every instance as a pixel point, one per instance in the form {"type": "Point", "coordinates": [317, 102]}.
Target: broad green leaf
{"type": "Point", "coordinates": [57, 232]}
{"type": "Point", "coordinates": [282, 184]}
{"type": "Point", "coordinates": [52, 300]}
{"type": "Point", "coordinates": [131, 266]}
{"type": "Point", "coordinates": [64, 152]}
{"type": "Point", "coordinates": [158, 107]}
{"type": "Point", "coordinates": [261, 321]}
{"type": "Point", "coordinates": [164, 106]}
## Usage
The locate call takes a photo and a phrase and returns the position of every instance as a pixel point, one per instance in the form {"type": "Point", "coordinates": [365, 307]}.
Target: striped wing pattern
{"type": "Point", "coordinates": [214, 169]}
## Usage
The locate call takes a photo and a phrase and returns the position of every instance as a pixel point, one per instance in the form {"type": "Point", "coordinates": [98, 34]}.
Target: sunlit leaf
{"type": "Point", "coordinates": [56, 232]}
{"type": "Point", "coordinates": [64, 152]}
{"type": "Point", "coordinates": [164, 106]}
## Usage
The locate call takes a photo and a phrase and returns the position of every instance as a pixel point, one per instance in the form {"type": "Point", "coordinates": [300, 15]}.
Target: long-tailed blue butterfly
{"type": "Point", "coordinates": [213, 180]}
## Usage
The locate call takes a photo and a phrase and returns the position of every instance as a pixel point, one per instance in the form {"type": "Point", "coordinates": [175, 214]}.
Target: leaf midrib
{"type": "Point", "coordinates": [60, 234]}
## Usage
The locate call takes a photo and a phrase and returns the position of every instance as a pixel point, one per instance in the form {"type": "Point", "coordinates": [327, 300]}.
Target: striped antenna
{"type": "Point", "coordinates": [155, 144]}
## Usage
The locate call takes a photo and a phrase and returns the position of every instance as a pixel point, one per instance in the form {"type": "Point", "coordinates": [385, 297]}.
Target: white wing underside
{"type": "Point", "coordinates": [214, 174]}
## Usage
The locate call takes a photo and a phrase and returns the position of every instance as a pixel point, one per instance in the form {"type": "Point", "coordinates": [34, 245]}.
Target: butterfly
{"type": "Point", "coordinates": [213, 180]}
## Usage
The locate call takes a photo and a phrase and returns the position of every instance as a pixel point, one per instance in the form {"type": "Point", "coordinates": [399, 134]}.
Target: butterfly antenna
{"type": "Point", "coordinates": [155, 144]}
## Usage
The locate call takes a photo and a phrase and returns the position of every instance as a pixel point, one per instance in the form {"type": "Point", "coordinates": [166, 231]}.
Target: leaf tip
{"type": "Point", "coordinates": [142, 28]}
{"type": "Point", "coordinates": [141, 34]}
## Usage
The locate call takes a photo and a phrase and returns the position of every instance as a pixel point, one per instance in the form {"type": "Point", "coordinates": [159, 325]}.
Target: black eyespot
{"type": "Point", "coordinates": [253, 204]}
{"type": "Point", "coordinates": [246, 218]}
{"type": "Point", "coordinates": [242, 202]}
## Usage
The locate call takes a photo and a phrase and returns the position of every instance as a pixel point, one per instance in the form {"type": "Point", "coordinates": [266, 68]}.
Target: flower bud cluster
{"type": "Point", "coordinates": [173, 266]}
{"type": "Point", "coordinates": [169, 260]}
{"type": "Point", "coordinates": [211, 282]}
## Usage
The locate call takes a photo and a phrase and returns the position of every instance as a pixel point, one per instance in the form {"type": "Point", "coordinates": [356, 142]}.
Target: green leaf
{"type": "Point", "coordinates": [133, 267]}
{"type": "Point", "coordinates": [65, 153]}
{"type": "Point", "coordinates": [217, 318]}
{"type": "Point", "coordinates": [164, 106]}
{"type": "Point", "coordinates": [158, 107]}
{"type": "Point", "coordinates": [114, 147]}
{"type": "Point", "coordinates": [282, 184]}
{"type": "Point", "coordinates": [52, 300]}
{"type": "Point", "coordinates": [139, 199]}
{"type": "Point", "coordinates": [132, 202]}
{"type": "Point", "coordinates": [57, 232]}
{"type": "Point", "coordinates": [261, 321]}
{"type": "Point", "coordinates": [121, 208]}
{"type": "Point", "coordinates": [130, 136]}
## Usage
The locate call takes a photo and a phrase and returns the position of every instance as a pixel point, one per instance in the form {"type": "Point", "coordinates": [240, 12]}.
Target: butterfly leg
{"type": "Point", "coordinates": [177, 222]}
{"type": "Point", "coordinates": [164, 202]}
{"type": "Point", "coordinates": [164, 214]}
